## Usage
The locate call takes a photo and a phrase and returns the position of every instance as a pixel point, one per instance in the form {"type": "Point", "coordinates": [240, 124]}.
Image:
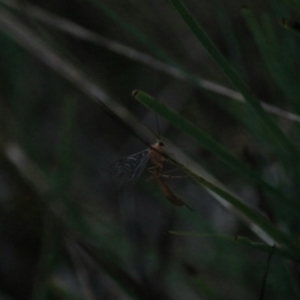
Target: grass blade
{"type": "Point", "coordinates": [210, 144]}
{"type": "Point", "coordinates": [276, 59]}
{"type": "Point", "coordinates": [281, 139]}
{"type": "Point", "coordinates": [188, 128]}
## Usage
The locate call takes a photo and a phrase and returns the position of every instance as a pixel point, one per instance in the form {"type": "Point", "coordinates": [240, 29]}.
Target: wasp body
{"type": "Point", "coordinates": [130, 168]}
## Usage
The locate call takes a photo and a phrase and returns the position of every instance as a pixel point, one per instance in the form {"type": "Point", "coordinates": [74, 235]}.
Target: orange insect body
{"type": "Point", "coordinates": [155, 154]}
{"type": "Point", "coordinates": [169, 194]}
{"type": "Point", "coordinates": [130, 169]}
{"type": "Point", "coordinates": [157, 158]}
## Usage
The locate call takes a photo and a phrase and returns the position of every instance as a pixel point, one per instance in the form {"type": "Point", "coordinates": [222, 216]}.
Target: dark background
{"type": "Point", "coordinates": [67, 230]}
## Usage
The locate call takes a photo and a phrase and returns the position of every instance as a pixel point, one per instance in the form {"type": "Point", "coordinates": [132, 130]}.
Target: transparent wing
{"type": "Point", "coordinates": [130, 168]}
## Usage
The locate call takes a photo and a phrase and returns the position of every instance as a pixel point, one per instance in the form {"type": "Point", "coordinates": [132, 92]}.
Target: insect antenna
{"type": "Point", "coordinates": [157, 127]}
{"type": "Point", "coordinates": [157, 135]}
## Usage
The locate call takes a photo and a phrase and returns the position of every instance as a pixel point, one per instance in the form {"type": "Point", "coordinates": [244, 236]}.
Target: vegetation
{"type": "Point", "coordinates": [84, 85]}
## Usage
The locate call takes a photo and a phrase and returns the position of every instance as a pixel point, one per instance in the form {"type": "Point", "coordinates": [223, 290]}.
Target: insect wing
{"type": "Point", "coordinates": [130, 168]}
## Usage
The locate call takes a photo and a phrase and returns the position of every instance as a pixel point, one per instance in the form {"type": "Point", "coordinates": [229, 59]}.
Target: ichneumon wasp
{"type": "Point", "coordinates": [130, 168]}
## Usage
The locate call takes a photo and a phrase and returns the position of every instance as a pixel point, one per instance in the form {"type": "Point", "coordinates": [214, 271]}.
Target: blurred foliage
{"type": "Point", "coordinates": [67, 70]}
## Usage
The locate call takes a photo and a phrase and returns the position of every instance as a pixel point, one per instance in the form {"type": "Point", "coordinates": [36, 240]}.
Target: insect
{"type": "Point", "coordinates": [169, 195]}
{"type": "Point", "coordinates": [130, 168]}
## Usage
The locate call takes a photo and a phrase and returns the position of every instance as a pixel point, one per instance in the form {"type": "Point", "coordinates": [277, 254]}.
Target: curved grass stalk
{"type": "Point", "coordinates": [245, 211]}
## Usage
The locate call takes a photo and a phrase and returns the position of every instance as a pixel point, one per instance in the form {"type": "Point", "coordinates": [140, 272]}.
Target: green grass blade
{"type": "Point", "coordinates": [281, 139]}
{"type": "Point", "coordinates": [276, 60]}
{"type": "Point", "coordinates": [210, 144]}
{"type": "Point", "coordinates": [229, 35]}
{"type": "Point", "coordinates": [262, 247]}
{"type": "Point", "coordinates": [292, 249]}
{"type": "Point", "coordinates": [135, 32]}
{"type": "Point", "coordinates": [255, 218]}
